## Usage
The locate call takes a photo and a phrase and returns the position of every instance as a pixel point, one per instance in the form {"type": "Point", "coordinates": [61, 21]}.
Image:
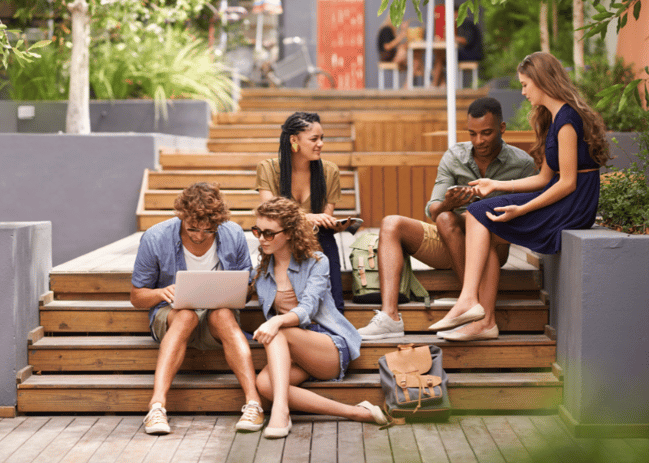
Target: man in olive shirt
{"type": "Point", "coordinates": [442, 245]}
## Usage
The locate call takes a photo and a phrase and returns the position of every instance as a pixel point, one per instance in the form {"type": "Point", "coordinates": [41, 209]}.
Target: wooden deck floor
{"type": "Point", "coordinates": [491, 439]}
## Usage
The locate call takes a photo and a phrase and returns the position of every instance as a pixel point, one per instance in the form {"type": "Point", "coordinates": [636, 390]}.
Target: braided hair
{"type": "Point", "coordinates": [296, 123]}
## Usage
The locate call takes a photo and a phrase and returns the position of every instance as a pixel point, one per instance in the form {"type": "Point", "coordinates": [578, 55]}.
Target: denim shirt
{"type": "Point", "coordinates": [161, 255]}
{"type": "Point", "coordinates": [310, 281]}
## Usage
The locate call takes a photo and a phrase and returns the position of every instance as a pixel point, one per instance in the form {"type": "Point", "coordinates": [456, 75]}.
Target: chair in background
{"type": "Point", "coordinates": [384, 66]}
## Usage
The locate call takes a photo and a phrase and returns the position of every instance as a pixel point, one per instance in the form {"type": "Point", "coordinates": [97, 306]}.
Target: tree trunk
{"type": "Point", "coordinates": [555, 22]}
{"type": "Point", "coordinates": [543, 26]}
{"type": "Point", "coordinates": [578, 43]}
{"type": "Point", "coordinates": [78, 116]}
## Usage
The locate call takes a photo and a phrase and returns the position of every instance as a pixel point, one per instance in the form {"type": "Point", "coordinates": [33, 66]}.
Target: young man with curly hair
{"type": "Point", "coordinates": [201, 237]}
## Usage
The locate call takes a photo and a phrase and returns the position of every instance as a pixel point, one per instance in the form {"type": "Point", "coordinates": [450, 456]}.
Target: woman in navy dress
{"type": "Point", "coordinates": [570, 147]}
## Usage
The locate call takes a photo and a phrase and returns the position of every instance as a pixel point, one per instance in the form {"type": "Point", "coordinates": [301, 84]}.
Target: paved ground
{"type": "Point", "coordinates": [202, 438]}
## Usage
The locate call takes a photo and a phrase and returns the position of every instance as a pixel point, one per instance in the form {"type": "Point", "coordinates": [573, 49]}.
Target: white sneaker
{"type": "Point", "coordinates": [382, 326]}
{"type": "Point", "coordinates": [252, 418]}
{"type": "Point", "coordinates": [155, 422]}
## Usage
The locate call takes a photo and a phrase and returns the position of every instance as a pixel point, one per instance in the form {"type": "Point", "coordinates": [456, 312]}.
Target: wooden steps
{"type": "Point", "coordinates": [103, 316]}
{"type": "Point", "coordinates": [273, 131]}
{"type": "Point", "coordinates": [139, 353]}
{"type": "Point", "coordinates": [351, 100]}
{"type": "Point", "coordinates": [96, 354]}
{"type": "Point", "coordinates": [221, 392]}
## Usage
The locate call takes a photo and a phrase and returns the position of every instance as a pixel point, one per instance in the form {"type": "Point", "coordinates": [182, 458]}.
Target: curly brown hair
{"type": "Point", "coordinates": [548, 74]}
{"type": "Point", "coordinates": [202, 202]}
{"type": "Point", "coordinates": [302, 238]}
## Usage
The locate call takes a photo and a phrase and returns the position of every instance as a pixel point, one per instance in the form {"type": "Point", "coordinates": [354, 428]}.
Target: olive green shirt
{"type": "Point", "coordinates": [457, 167]}
{"type": "Point", "coordinates": [268, 179]}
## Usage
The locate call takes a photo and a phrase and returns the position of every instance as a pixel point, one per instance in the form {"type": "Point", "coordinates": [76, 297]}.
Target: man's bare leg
{"type": "Point", "coordinates": [224, 327]}
{"type": "Point", "coordinates": [396, 235]}
{"type": "Point", "coordinates": [172, 350]}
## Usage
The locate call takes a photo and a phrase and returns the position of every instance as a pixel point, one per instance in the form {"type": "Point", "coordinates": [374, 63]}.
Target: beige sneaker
{"type": "Point", "coordinates": [155, 421]}
{"type": "Point", "coordinates": [253, 417]}
{"type": "Point", "coordinates": [382, 326]}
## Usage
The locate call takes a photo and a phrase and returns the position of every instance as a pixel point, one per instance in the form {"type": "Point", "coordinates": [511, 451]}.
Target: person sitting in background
{"type": "Point", "coordinates": [442, 244]}
{"type": "Point", "coordinates": [469, 42]}
{"type": "Point", "coordinates": [393, 46]}
{"type": "Point", "coordinates": [304, 334]}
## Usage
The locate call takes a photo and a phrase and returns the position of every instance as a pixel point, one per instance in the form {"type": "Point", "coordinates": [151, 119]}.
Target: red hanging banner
{"type": "Point", "coordinates": [341, 42]}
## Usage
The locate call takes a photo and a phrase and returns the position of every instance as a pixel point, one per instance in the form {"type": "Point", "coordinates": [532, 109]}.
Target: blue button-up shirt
{"type": "Point", "coordinates": [310, 281]}
{"type": "Point", "coordinates": [161, 255]}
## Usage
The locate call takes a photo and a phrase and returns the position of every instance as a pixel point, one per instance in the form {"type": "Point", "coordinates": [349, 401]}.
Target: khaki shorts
{"type": "Point", "coordinates": [201, 337]}
{"type": "Point", "coordinates": [434, 252]}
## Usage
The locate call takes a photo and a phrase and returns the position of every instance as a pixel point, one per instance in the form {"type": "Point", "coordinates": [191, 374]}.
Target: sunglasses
{"type": "Point", "coordinates": [269, 235]}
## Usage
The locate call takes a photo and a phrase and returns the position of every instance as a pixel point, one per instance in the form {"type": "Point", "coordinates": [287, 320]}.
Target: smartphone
{"type": "Point", "coordinates": [356, 224]}
{"type": "Point", "coordinates": [456, 186]}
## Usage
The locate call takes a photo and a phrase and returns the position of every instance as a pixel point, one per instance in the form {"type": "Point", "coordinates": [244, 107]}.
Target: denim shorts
{"type": "Point", "coordinates": [341, 345]}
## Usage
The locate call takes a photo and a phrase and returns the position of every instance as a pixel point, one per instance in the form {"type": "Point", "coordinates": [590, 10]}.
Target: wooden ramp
{"type": "Point", "coordinates": [93, 352]}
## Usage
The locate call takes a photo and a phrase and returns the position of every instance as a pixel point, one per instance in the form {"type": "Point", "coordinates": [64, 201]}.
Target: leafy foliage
{"type": "Point", "coordinates": [45, 78]}
{"type": "Point", "coordinates": [624, 194]}
{"type": "Point", "coordinates": [599, 74]}
{"type": "Point", "coordinates": [22, 52]}
{"type": "Point", "coordinates": [138, 50]}
{"type": "Point", "coordinates": [511, 32]}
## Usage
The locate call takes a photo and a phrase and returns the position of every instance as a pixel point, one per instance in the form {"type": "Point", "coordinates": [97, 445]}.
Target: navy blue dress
{"type": "Point", "coordinates": [540, 230]}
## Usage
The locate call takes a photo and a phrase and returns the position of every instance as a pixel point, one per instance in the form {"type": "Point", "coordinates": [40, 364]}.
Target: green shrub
{"type": "Point", "coordinates": [45, 78]}
{"type": "Point", "coordinates": [624, 194]}
{"type": "Point", "coordinates": [168, 66]}
{"type": "Point", "coordinates": [598, 76]}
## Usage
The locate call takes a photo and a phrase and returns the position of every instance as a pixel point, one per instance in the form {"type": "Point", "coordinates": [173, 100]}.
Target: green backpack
{"type": "Point", "coordinates": [365, 274]}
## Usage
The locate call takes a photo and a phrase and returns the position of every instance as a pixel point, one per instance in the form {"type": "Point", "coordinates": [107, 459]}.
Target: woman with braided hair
{"type": "Point", "coordinates": [300, 174]}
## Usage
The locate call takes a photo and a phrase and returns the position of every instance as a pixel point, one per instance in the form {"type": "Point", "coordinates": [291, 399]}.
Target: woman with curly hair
{"type": "Point", "coordinates": [299, 173]}
{"type": "Point", "coordinates": [570, 147]}
{"type": "Point", "coordinates": [304, 335]}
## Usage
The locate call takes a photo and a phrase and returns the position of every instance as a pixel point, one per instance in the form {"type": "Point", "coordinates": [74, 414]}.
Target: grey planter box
{"type": "Point", "coordinates": [599, 290]}
{"type": "Point", "coordinates": [190, 118]}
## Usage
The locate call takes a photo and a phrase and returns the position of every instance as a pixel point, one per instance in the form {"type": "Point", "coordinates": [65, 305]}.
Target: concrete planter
{"type": "Point", "coordinates": [188, 118]}
{"type": "Point", "coordinates": [599, 295]}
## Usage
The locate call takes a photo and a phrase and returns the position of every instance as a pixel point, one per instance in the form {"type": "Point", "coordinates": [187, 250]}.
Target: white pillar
{"type": "Point", "coordinates": [451, 72]}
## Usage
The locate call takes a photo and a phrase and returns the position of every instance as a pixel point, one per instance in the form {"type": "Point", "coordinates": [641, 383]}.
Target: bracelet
{"type": "Point", "coordinates": [512, 183]}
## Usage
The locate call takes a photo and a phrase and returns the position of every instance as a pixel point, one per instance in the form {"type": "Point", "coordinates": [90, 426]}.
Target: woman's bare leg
{"type": "Point", "coordinates": [309, 354]}
{"type": "Point", "coordinates": [478, 246]}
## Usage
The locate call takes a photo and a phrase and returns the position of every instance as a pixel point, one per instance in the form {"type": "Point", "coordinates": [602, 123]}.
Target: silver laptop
{"type": "Point", "coordinates": [222, 289]}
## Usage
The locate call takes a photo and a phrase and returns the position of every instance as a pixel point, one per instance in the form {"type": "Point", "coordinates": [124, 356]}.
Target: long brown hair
{"type": "Point", "coordinates": [302, 237]}
{"type": "Point", "coordinates": [548, 74]}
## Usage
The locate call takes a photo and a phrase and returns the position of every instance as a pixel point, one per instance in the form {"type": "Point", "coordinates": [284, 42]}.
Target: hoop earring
{"type": "Point", "coordinates": [294, 146]}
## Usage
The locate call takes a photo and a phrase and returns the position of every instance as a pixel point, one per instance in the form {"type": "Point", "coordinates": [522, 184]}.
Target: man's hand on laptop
{"type": "Point", "coordinates": [167, 294]}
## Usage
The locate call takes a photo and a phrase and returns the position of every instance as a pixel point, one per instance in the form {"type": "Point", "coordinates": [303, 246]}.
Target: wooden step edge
{"type": "Point", "coordinates": [228, 380]}
{"type": "Point", "coordinates": [253, 305]}
{"type": "Point", "coordinates": [45, 298]}
{"type": "Point", "coordinates": [550, 332]}
{"type": "Point", "coordinates": [269, 140]}
{"type": "Point", "coordinates": [557, 371]}
{"type": "Point", "coordinates": [7, 411]}
{"type": "Point", "coordinates": [35, 335]}
{"type": "Point", "coordinates": [146, 342]}
{"type": "Point", "coordinates": [24, 374]}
